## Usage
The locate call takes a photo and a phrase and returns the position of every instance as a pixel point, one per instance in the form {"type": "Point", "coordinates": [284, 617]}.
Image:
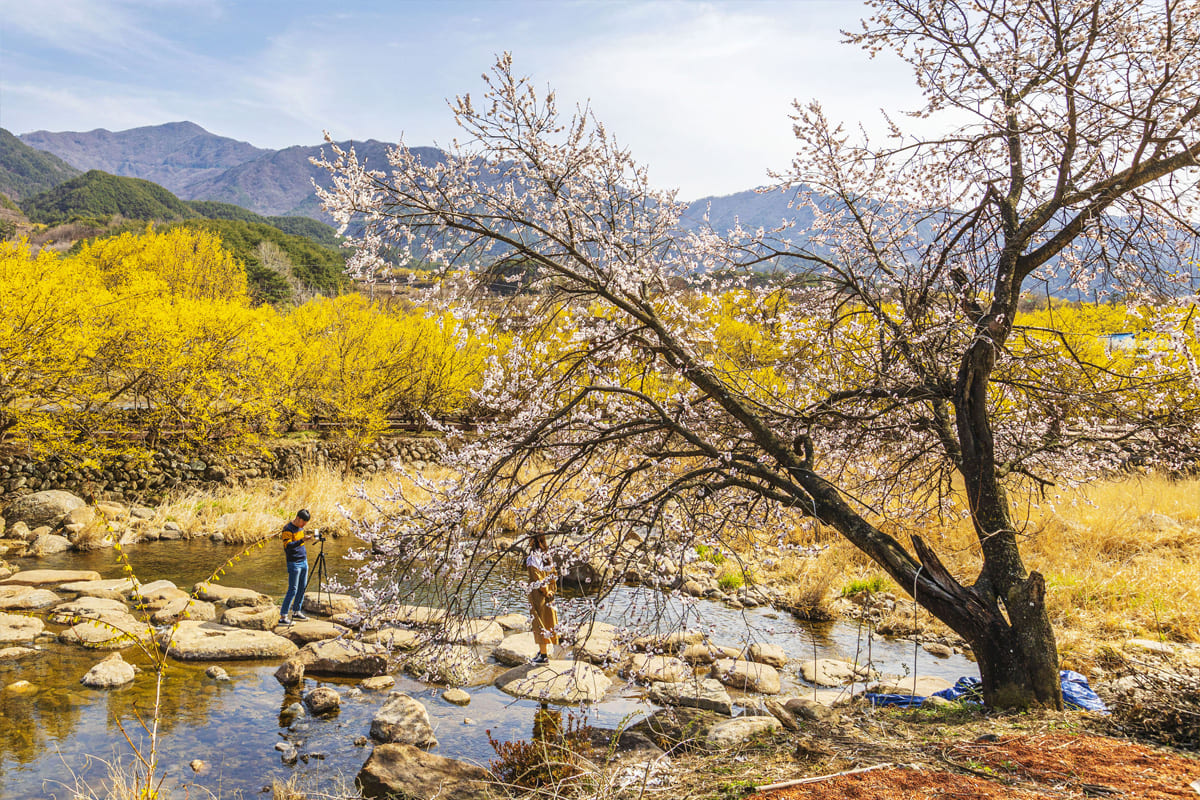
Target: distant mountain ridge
{"type": "Point", "coordinates": [198, 165]}
{"type": "Point", "coordinates": [26, 171]}
{"type": "Point", "coordinates": [173, 155]}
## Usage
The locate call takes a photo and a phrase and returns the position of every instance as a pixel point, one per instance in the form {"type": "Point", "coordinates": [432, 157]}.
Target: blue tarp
{"type": "Point", "coordinates": [1077, 695]}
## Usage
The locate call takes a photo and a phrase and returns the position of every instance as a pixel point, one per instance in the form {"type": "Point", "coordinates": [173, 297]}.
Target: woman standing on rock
{"type": "Point", "coordinates": [293, 537]}
{"type": "Point", "coordinates": [542, 587]}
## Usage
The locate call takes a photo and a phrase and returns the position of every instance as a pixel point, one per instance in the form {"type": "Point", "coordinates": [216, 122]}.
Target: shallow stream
{"type": "Point", "coordinates": [63, 732]}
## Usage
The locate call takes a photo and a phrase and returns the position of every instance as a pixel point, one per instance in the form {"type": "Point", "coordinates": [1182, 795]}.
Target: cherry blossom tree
{"type": "Point", "coordinates": [657, 391]}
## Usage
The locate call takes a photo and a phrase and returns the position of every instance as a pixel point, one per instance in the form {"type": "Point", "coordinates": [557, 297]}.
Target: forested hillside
{"type": "Point", "coordinates": [97, 194]}
{"type": "Point", "coordinates": [25, 171]}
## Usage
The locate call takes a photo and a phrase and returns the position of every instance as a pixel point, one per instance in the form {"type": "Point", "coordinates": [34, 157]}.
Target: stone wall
{"type": "Point", "coordinates": [129, 479]}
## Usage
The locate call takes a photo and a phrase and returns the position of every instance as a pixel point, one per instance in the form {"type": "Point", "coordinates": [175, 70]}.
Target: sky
{"type": "Point", "coordinates": [700, 91]}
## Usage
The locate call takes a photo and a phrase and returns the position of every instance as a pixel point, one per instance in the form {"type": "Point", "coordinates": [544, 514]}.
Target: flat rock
{"type": "Point", "coordinates": [311, 630]}
{"type": "Point", "coordinates": [1149, 646]}
{"type": "Point", "coordinates": [832, 672]}
{"type": "Point", "coordinates": [747, 675]}
{"type": "Point", "coordinates": [343, 657]}
{"type": "Point", "coordinates": [418, 615]}
{"type": "Point", "coordinates": [668, 643]}
{"type": "Point", "coordinates": [666, 669]}
{"type": "Point", "coordinates": [182, 608]}
{"type": "Point", "coordinates": [255, 618]}
{"type": "Point", "coordinates": [810, 709]}
{"type": "Point", "coordinates": [517, 649]}
{"type": "Point", "coordinates": [394, 638]}
{"type": "Point", "coordinates": [403, 720]}
{"type": "Point", "coordinates": [681, 727]}
{"type": "Point", "coordinates": [597, 643]}
{"type": "Point", "coordinates": [327, 604]}
{"type": "Point", "coordinates": [113, 632]}
{"type": "Point", "coordinates": [377, 684]}
{"type": "Point", "coordinates": [111, 672]}
{"type": "Point", "coordinates": [48, 577]}
{"type": "Point", "coordinates": [513, 622]}
{"type": "Point", "coordinates": [407, 771]}
{"type": "Point", "coordinates": [87, 607]}
{"type": "Point", "coordinates": [8, 654]}
{"type": "Point", "coordinates": [765, 653]}
{"type": "Point", "coordinates": [26, 598]}
{"type": "Point", "coordinates": [231, 596]}
{"type": "Point", "coordinates": [107, 587]}
{"type": "Point", "coordinates": [705, 693]}
{"type": "Point", "coordinates": [42, 508]}
{"type": "Point", "coordinates": [154, 591]}
{"type": "Point", "coordinates": [733, 732]}
{"type": "Point", "coordinates": [918, 685]}
{"type": "Point", "coordinates": [707, 653]}
{"type": "Point", "coordinates": [19, 629]}
{"type": "Point", "coordinates": [479, 632]}
{"type": "Point", "coordinates": [210, 641]}
{"type": "Point", "coordinates": [556, 682]}
{"type": "Point", "coordinates": [456, 696]}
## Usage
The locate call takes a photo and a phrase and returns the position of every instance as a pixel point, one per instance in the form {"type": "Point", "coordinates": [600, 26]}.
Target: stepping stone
{"type": "Point", "coordinates": [454, 664]}
{"type": "Point", "coordinates": [311, 630]}
{"type": "Point", "coordinates": [327, 604]}
{"type": "Point", "coordinates": [707, 653]}
{"type": "Point", "coordinates": [210, 641]}
{"type": "Point", "coordinates": [109, 587]}
{"type": "Point", "coordinates": [597, 643]}
{"type": "Point", "coordinates": [113, 633]}
{"type": "Point", "coordinates": [342, 657]}
{"type": "Point", "coordinates": [108, 674]}
{"type": "Point", "coordinates": [231, 596]}
{"type": "Point", "coordinates": [394, 638]}
{"type": "Point", "coordinates": [747, 675]}
{"type": "Point", "coordinates": [666, 669]}
{"type": "Point", "coordinates": [480, 632]}
{"type": "Point", "coordinates": [47, 577]}
{"type": "Point", "coordinates": [258, 618]}
{"type": "Point", "coordinates": [19, 629]}
{"type": "Point", "coordinates": [26, 598]}
{"type": "Point", "coordinates": [182, 608]}
{"type": "Point", "coordinates": [832, 672]}
{"type": "Point", "coordinates": [403, 720]}
{"type": "Point", "coordinates": [517, 649]}
{"type": "Point", "coordinates": [84, 608]}
{"type": "Point", "coordinates": [418, 615]}
{"type": "Point", "coordinates": [513, 622]}
{"type": "Point", "coordinates": [556, 682]}
{"type": "Point", "coordinates": [912, 685]}
{"type": "Point", "coordinates": [763, 653]}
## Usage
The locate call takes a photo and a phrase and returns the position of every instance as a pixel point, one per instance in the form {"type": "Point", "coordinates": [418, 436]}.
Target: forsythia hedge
{"type": "Point", "coordinates": [147, 338]}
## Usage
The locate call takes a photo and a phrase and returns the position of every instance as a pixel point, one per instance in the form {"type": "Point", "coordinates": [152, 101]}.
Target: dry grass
{"type": "Point", "coordinates": [250, 511]}
{"type": "Point", "coordinates": [1121, 559]}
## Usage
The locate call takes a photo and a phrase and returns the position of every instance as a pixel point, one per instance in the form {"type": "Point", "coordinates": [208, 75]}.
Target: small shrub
{"type": "Point", "coordinates": [875, 583]}
{"type": "Point", "coordinates": [710, 553]}
{"type": "Point", "coordinates": [731, 580]}
{"type": "Point", "coordinates": [556, 753]}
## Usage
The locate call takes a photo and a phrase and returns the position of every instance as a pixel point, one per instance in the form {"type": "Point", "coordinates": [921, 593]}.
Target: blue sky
{"type": "Point", "coordinates": [700, 91]}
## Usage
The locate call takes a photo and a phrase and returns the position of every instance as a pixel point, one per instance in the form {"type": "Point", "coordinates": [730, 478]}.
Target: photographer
{"type": "Point", "coordinates": [293, 538]}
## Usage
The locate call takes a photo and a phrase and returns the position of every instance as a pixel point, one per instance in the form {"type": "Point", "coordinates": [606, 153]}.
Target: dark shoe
{"type": "Point", "coordinates": [540, 658]}
{"type": "Point", "coordinates": [299, 615]}
{"type": "Point", "coordinates": [284, 621]}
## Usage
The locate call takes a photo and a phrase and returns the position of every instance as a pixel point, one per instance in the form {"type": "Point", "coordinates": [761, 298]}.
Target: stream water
{"type": "Point", "coordinates": [63, 733]}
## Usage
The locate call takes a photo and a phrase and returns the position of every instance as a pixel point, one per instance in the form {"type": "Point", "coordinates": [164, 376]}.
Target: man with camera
{"type": "Point", "coordinates": [294, 537]}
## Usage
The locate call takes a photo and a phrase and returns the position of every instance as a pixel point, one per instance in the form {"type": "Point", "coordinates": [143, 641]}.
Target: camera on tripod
{"type": "Point", "coordinates": [318, 536]}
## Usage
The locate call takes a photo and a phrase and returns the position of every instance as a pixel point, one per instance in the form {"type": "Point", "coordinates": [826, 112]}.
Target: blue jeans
{"type": "Point", "coordinates": [297, 577]}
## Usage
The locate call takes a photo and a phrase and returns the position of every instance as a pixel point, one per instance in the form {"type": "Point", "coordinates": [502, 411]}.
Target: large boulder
{"type": "Point", "coordinates": [733, 732]}
{"type": "Point", "coordinates": [50, 577]}
{"type": "Point", "coordinates": [401, 770]}
{"type": "Point", "coordinates": [342, 657]}
{"type": "Point", "coordinates": [19, 629]}
{"type": "Point", "coordinates": [707, 693]}
{"type": "Point", "coordinates": [520, 648]}
{"type": "Point", "coordinates": [26, 598]}
{"type": "Point", "coordinates": [42, 508]}
{"type": "Point", "coordinates": [747, 675]}
{"type": "Point", "coordinates": [47, 544]}
{"type": "Point", "coordinates": [556, 682]}
{"type": "Point", "coordinates": [231, 596]}
{"type": "Point", "coordinates": [403, 720]}
{"type": "Point", "coordinates": [209, 641]}
{"type": "Point", "coordinates": [111, 672]}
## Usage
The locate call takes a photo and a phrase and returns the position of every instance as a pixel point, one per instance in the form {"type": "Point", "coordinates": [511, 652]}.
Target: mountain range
{"type": "Point", "coordinates": [195, 164]}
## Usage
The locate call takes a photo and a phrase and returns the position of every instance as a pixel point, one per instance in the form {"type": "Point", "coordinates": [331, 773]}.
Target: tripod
{"type": "Point", "coordinates": [319, 569]}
